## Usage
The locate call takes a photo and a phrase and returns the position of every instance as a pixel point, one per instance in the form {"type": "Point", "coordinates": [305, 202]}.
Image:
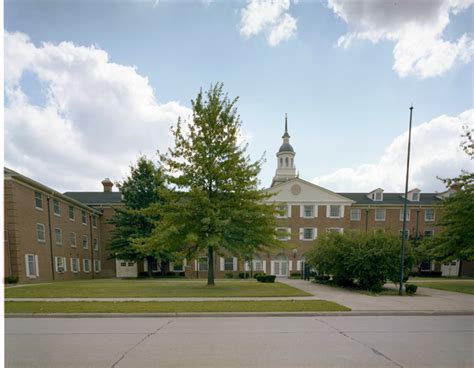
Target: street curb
{"type": "Point", "coordinates": [242, 314]}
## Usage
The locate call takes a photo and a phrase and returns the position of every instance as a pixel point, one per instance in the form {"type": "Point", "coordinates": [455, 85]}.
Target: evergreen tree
{"type": "Point", "coordinates": [140, 190]}
{"type": "Point", "coordinates": [215, 205]}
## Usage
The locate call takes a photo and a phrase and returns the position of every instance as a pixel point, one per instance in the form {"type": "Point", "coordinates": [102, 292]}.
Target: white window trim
{"type": "Point", "coordinates": [341, 211]}
{"type": "Point", "coordinates": [63, 260]}
{"type": "Point", "coordinates": [60, 236]}
{"type": "Point", "coordinates": [95, 244]}
{"type": "Point", "coordinates": [172, 269]}
{"type": "Point", "coordinates": [73, 213]}
{"type": "Point", "coordinates": [434, 215]}
{"type": "Point", "coordinates": [94, 226]}
{"type": "Point", "coordinates": [99, 268]}
{"type": "Point", "coordinates": [87, 242]}
{"type": "Point", "coordinates": [315, 233]}
{"type": "Point", "coordinates": [84, 265]}
{"type": "Point", "coordinates": [356, 210]}
{"type": "Point", "coordinates": [407, 231]}
{"type": "Point", "coordinates": [82, 212]}
{"type": "Point", "coordinates": [432, 232]}
{"type": "Point", "coordinates": [44, 232]}
{"type": "Point", "coordinates": [288, 211]}
{"type": "Point", "coordinates": [75, 240]}
{"type": "Point", "coordinates": [27, 268]}
{"type": "Point", "coordinates": [384, 214]}
{"type": "Point", "coordinates": [57, 214]}
{"type": "Point", "coordinates": [408, 214]}
{"type": "Point", "coordinates": [42, 203]}
{"type": "Point", "coordinates": [340, 229]}
{"type": "Point", "coordinates": [198, 263]}
{"type": "Point", "coordinates": [302, 211]}
{"type": "Point", "coordinates": [78, 265]}
{"type": "Point", "coordinates": [288, 230]}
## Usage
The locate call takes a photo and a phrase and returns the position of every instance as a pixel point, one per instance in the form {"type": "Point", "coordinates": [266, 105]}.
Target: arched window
{"type": "Point", "coordinates": [286, 161]}
{"type": "Point", "coordinates": [281, 162]}
{"type": "Point", "coordinates": [291, 161]}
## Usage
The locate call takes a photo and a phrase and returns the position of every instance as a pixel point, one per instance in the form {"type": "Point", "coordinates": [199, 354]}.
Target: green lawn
{"type": "Point", "coordinates": [152, 289]}
{"type": "Point", "coordinates": [460, 286]}
{"type": "Point", "coordinates": [174, 307]}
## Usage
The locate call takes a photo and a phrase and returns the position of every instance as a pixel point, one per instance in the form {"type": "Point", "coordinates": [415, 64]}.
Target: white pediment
{"type": "Point", "coordinates": [299, 190]}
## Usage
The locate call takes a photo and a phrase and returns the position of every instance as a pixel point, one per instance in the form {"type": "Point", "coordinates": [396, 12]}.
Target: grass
{"type": "Point", "coordinates": [460, 286]}
{"type": "Point", "coordinates": [111, 288]}
{"type": "Point", "coordinates": [174, 307]}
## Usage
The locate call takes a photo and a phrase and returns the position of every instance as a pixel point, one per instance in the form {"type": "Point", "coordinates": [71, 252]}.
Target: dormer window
{"type": "Point", "coordinates": [376, 195]}
{"type": "Point", "coordinates": [415, 197]}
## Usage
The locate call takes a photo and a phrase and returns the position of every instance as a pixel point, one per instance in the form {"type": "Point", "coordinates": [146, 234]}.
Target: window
{"type": "Point", "coordinates": [31, 261]}
{"type": "Point", "coordinates": [286, 161]}
{"type": "Point", "coordinates": [123, 264]}
{"type": "Point", "coordinates": [380, 214]}
{"type": "Point", "coordinates": [282, 210]}
{"type": "Point", "coordinates": [334, 211]}
{"type": "Point", "coordinates": [308, 211]}
{"type": "Point", "coordinates": [281, 162]}
{"type": "Point", "coordinates": [408, 214]}
{"type": "Point", "coordinates": [406, 234]}
{"type": "Point", "coordinates": [355, 214]}
{"type": "Point", "coordinates": [85, 242]}
{"type": "Point", "coordinates": [72, 216]}
{"type": "Point", "coordinates": [75, 268]}
{"type": "Point", "coordinates": [58, 236]}
{"type": "Point", "coordinates": [94, 221]}
{"type": "Point", "coordinates": [202, 264]}
{"type": "Point", "coordinates": [72, 240]}
{"type": "Point", "coordinates": [60, 263]}
{"type": "Point", "coordinates": [415, 196]}
{"type": "Point", "coordinates": [334, 230]}
{"type": "Point", "coordinates": [428, 233]}
{"type": "Point", "coordinates": [429, 214]}
{"type": "Point", "coordinates": [284, 233]}
{"type": "Point", "coordinates": [86, 265]}
{"type": "Point", "coordinates": [177, 266]}
{"type": "Point", "coordinates": [95, 243]}
{"type": "Point", "coordinates": [40, 233]}
{"type": "Point", "coordinates": [258, 265]}
{"type": "Point", "coordinates": [378, 196]}
{"type": "Point", "coordinates": [308, 233]}
{"type": "Point", "coordinates": [229, 264]}
{"type": "Point", "coordinates": [56, 207]}
{"type": "Point", "coordinates": [38, 201]}
{"type": "Point", "coordinates": [84, 217]}
{"type": "Point", "coordinates": [97, 266]}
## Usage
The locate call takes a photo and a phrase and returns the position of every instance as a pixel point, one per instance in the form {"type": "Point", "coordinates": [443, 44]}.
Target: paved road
{"type": "Point", "coordinates": [414, 341]}
{"type": "Point", "coordinates": [425, 299]}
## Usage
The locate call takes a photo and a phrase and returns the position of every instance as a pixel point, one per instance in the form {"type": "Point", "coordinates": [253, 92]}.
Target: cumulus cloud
{"type": "Point", "coordinates": [435, 151]}
{"type": "Point", "coordinates": [97, 116]}
{"type": "Point", "coordinates": [416, 27]}
{"type": "Point", "coordinates": [269, 17]}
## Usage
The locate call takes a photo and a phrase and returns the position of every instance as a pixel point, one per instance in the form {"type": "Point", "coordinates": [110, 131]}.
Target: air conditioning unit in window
{"type": "Point", "coordinates": [60, 269]}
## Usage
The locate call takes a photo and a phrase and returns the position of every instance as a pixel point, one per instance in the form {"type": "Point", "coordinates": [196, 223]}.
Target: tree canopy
{"type": "Point", "coordinates": [214, 205]}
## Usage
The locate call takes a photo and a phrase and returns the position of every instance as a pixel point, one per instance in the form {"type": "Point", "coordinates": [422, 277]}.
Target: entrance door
{"type": "Point", "coordinates": [281, 268]}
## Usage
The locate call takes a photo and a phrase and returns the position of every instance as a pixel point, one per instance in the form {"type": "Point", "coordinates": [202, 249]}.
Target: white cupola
{"type": "Point", "coordinates": [285, 159]}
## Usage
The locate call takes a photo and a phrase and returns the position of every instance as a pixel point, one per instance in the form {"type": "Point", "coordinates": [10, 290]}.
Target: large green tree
{"type": "Point", "coordinates": [140, 190]}
{"type": "Point", "coordinates": [215, 205]}
{"type": "Point", "coordinates": [456, 239]}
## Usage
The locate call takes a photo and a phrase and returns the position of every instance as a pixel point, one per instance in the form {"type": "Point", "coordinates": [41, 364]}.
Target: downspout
{"type": "Point", "coordinates": [91, 266]}
{"type": "Point", "coordinates": [50, 237]}
{"type": "Point", "coordinates": [366, 220]}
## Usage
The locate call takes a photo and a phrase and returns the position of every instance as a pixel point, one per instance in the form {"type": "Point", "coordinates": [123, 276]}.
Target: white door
{"type": "Point", "coordinates": [281, 268]}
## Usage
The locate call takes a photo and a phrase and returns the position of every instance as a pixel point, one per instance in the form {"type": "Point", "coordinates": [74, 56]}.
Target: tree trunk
{"type": "Point", "coordinates": [210, 267]}
{"type": "Point", "coordinates": [149, 262]}
{"type": "Point", "coordinates": [163, 267]}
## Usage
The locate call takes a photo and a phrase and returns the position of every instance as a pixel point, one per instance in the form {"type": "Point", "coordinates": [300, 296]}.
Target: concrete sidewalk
{"type": "Point", "coordinates": [425, 300]}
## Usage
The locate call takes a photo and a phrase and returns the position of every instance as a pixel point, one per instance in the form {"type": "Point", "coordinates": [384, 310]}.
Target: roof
{"type": "Point", "coordinates": [92, 198]}
{"type": "Point", "coordinates": [394, 199]}
{"type": "Point", "coordinates": [9, 173]}
{"type": "Point", "coordinates": [286, 147]}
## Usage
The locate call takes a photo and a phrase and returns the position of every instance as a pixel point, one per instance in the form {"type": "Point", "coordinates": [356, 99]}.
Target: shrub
{"type": "Point", "coordinates": [321, 279]}
{"type": "Point", "coordinates": [229, 275]}
{"type": "Point", "coordinates": [430, 274]}
{"type": "Point", "coordinates": [258, 274]}
{"type": "Point", "coordinates": [11, 279]}
{"type": "Point", "coordinates": [266, 278]}
{"type": "Point", "coordinates": [370, 259]}
{"type": "Point", "coordinates": [411, 289]}
{"type": "Point", "coordinates": [295, 275]}
{"type": "Point", "coordinates": [243, 275]}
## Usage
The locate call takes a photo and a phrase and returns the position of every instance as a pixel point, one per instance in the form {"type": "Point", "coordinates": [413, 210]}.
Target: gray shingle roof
{"type": "Point", "coordinates": [286, 147]}
{"type": "Point", "coordinates": [394, 199]}
{"type": "Point", "coordinates": [96, 197]}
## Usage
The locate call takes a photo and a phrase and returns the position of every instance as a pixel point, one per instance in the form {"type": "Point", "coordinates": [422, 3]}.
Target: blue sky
{"type": "Point", "coordinates": [346, 105]}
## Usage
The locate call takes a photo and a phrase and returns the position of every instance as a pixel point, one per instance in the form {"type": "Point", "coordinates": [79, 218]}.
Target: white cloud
{"type": "Point", "coordinates": [97, 117]}
{"type": "Point", "coordinates": [435, 151]}
{"type": "Point", "coordinates": [416, 27]}
{"type": "Point", "coordinates": [270, 17]}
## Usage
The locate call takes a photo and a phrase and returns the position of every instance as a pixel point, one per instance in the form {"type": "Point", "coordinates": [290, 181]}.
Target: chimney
{"type": "Point", "coordinates": [107, 185]}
